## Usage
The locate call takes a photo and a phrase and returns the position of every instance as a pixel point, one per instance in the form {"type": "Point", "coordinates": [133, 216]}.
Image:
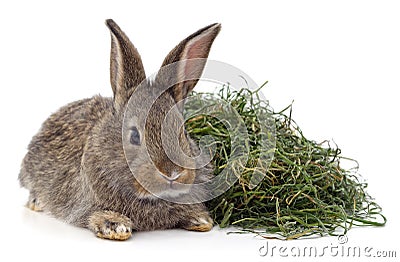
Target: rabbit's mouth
{"type": "Point", "coordinates": [173, 193]}
{"type": "Point", "coordinates": [176, 184]}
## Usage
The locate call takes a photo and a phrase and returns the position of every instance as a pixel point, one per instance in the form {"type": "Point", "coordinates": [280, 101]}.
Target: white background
{"type": "Point", "coordinates": [339, 61]}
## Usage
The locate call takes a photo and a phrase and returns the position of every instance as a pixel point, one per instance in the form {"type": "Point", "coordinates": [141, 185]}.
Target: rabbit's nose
{"type": "Point", "coordinates": [174, 176]}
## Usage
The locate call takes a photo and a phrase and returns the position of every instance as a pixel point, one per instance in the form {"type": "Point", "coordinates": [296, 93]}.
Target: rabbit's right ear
{"type": "Point", "coordinates": [126, 68]}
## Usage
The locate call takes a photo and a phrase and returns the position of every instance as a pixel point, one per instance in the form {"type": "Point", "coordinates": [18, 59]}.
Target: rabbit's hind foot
{"type": "Point", "coordinates": [110, 225]}
{"type": "Point", "coordinates": [34, 204]}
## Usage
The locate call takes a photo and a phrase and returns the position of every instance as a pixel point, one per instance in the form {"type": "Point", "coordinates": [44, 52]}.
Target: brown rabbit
{"type": "Point", "coordinates": [76, 168]}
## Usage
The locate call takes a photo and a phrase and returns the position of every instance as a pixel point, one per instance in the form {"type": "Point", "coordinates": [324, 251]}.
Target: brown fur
{"type": "Point", "coordinates": [76, 170]}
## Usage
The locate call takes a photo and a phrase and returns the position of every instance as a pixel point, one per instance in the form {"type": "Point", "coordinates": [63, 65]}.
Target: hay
{"type": "Point", "coordinates": [305, 191]}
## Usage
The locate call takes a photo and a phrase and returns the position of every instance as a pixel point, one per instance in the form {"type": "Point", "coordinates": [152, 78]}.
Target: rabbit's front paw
{"type": "Point", "coordinates": [201, 223]}
{"type": "Point", "coordinates": [110, 225]}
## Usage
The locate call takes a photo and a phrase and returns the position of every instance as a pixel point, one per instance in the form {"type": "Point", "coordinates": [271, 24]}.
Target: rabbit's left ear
{"type": "Point", "coordinates": [193, 47]}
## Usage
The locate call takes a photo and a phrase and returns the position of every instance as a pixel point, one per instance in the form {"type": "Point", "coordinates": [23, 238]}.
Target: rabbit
{"type": "Point", "coordinates": [75, 168]}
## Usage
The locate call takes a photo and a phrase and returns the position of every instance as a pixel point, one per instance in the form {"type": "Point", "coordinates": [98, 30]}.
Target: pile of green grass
{"type": "Point", "coordinates": [305, 191]}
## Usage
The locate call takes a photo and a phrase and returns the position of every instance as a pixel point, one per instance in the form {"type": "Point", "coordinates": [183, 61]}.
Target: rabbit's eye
{"type": "Point", "coordinates": [135, 136]}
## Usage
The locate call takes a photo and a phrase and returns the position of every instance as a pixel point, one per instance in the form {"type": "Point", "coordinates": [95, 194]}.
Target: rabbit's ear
{"type": "Point", "coordinates": [126, 68]}
{"type": "Point", "coordinates": [195, 46]}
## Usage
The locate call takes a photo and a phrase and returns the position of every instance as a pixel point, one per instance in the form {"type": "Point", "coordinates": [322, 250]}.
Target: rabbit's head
{"type": "Point", "coordinates": [163, 159]}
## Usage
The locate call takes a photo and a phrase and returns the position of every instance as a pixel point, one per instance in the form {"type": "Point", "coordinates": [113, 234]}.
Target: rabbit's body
{"type": "Point", "coordinates": [51, 170]}
{"type": "Point", "coordinates": [77, 171]}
